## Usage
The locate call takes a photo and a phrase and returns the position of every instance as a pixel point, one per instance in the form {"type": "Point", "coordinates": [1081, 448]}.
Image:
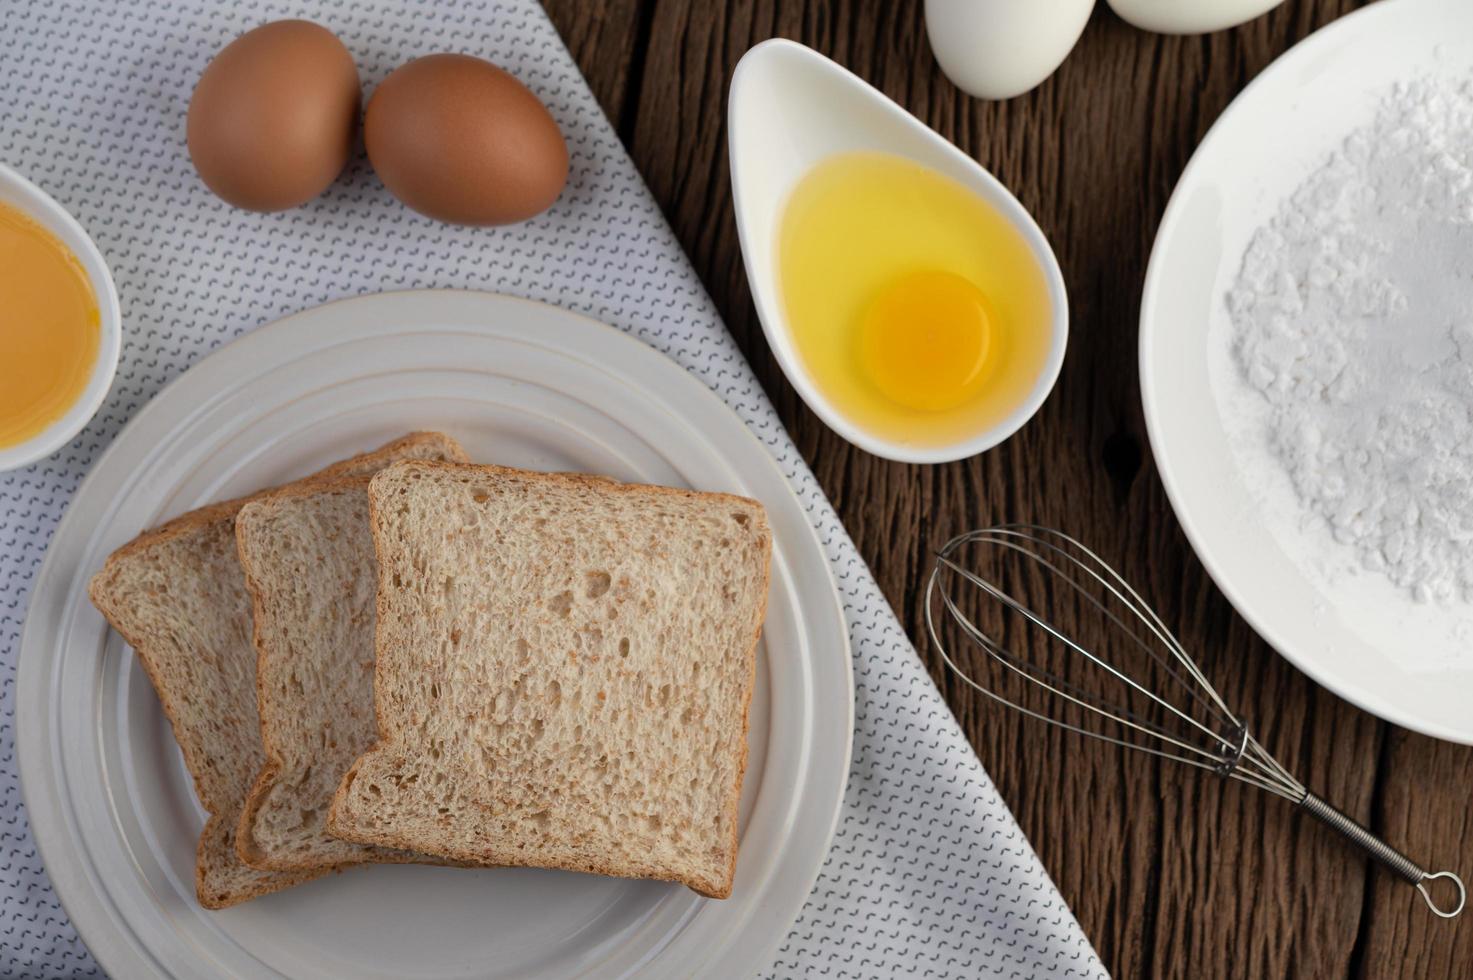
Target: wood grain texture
{"type": "Point", "coordinates": [1171, 873]}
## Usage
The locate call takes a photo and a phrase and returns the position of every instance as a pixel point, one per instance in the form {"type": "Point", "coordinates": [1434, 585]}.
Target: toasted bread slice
{"type": "Point", "coordinates": [563, 674]}
{"type": "Point", "coordinates": [307, 553]}
{"type": "Point", "coordinates": [178, 596]}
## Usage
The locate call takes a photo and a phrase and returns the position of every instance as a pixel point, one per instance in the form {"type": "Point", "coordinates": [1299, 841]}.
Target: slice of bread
{"type": "Point", "coordinates": [308, 557]}
{"type": "Point", "coordinates": [178, 596]}
{"type": "Point", "coordinates": [563, 675]}
{"type": "Point", "coordinates": [309, 564]}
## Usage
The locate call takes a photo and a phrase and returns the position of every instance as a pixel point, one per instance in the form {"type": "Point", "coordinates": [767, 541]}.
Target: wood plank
{"type": "Point", "coordinates": [1171, 873]}
{"type": "Point", "coordinates": [1424, 807]}
{"type": "Point", "coordinates": [607, 39]}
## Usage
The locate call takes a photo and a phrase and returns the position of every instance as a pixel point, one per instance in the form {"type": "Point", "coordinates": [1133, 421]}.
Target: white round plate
{"type": "Point", "coordinates": [1358, 636]}
{"type": "Point", "coordinates": [518, 383]}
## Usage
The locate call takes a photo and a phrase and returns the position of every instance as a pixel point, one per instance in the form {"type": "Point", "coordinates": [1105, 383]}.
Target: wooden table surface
{"type": "Point", "coordinates": [1171, 873]}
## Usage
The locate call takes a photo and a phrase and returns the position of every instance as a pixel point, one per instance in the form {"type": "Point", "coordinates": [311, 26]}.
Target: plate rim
{"type": "Point", "coordinates": [115, 944]}
{"type": "Point", "coordinates": [1359, 20]}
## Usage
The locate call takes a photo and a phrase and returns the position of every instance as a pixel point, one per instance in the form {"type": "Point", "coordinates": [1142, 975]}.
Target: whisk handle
{"type": "Point", "coordinates": [1398, 863]}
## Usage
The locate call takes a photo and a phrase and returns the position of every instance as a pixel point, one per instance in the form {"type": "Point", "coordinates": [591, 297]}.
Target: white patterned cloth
{"type": "Point", "coordinates": [928, 875]}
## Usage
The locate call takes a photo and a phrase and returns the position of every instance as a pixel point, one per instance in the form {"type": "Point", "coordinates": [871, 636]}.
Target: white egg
{"type": "Point", "coordinates": [996, 49]}
{"type": "Point", "coordinates": [1194, 17]}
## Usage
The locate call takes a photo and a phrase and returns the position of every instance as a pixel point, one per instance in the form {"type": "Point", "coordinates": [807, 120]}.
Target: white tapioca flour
{"type": "Point", "coordinates": [1352, 316]}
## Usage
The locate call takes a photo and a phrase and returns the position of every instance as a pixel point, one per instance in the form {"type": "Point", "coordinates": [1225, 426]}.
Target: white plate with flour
{"type": "Point", "coordinates": [518, 383]}
{"type": "Point", "coordinates": [1302, 359]}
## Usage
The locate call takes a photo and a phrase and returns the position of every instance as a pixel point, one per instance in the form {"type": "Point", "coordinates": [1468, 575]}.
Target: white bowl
{"type": "Point", "coordinates": [36, 204]}
{"type": "Point", "coordinates": [1351, 633]}
{"type": "Point", "coordinates": [790, 108]}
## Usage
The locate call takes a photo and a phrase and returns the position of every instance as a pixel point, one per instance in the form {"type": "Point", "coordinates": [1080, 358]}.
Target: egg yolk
{"type": "Point", "coordinates": [924, 341]}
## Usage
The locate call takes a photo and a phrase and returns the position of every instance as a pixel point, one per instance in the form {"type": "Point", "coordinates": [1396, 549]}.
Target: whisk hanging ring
{"type": "Point", "coordinates": [1177, 713]}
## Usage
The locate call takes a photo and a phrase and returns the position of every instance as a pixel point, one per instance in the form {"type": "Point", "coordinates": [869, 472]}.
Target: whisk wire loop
{"type": "Point", "coordinates": [1017, 537]}
{"type": "Point", "coordinates": [1054, 685]}
{"type": "Point", "coordinates": [1225, 718]}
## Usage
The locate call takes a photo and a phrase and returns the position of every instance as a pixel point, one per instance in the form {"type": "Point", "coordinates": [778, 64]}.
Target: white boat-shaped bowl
{"type": "Point", "coordinates": [791, 108]}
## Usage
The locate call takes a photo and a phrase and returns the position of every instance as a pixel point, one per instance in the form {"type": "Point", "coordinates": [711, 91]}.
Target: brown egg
{"type": "Point", "coordinates": [458, 139]}
{"type": "Point", "coordinates": [271, 121]}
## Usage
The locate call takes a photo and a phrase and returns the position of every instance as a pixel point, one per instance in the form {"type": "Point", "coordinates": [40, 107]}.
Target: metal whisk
{"type": "Point", "coordinates": [1148, 695]}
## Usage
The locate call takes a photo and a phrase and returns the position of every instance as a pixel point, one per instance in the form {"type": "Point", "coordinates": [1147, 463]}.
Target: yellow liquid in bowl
{"type": "Point", "coordinates": [50, 328]}
{"type": "Point", "coordinates": [916, 307]}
